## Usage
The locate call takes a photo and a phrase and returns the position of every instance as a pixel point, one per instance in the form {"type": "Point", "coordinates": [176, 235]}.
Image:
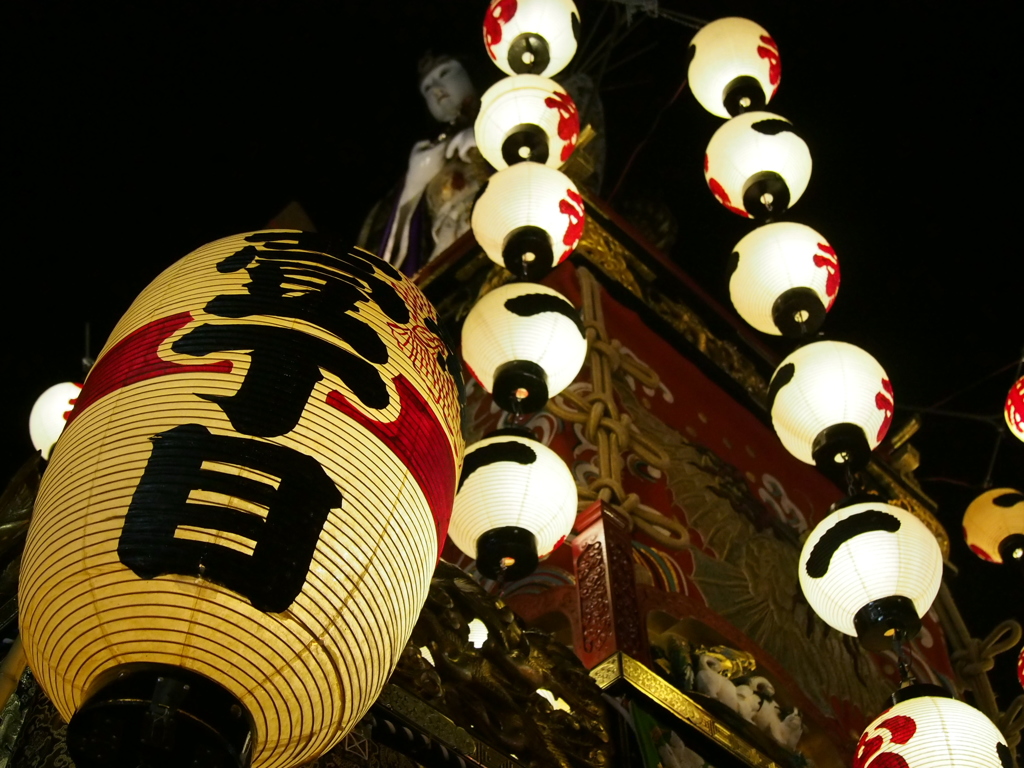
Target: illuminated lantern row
{"type": "Point", "coordinates": [756, 165]}
{"type": "Point", "coordinates": [869, 568]}
{"type": "Point", "coordinates": [1014, 409]}
{"type": "Point", "coordinates": [516, 503]}
{"type": "Point", "coordinates": [932, 731]}
{"type": "Point", "coordinates": [239, 525]}
{"type": "Point", "coordinates": [993, 525]}
{"type": "Point", "coordinates": [526, 117]}
{"type": "Point", "coordinates": [524, 343]}
{"type": "Point", "coordinates": [535, 37]}
{"type": "Point", "coordinates": [50, 414]}
{"type": "Point", "coordinates": [529, 219]}
{"type": "Point", "coordinates": [785, 278]}
{"type": "Point", "coordinates": [734, 67]}
{"type": "Point", "coordinates": [831, 403]}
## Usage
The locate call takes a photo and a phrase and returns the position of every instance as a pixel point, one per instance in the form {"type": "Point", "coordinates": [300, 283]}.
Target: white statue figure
{"type": "Point", "coordinates": [790, 730]}
{"type": "Point", "coordinates": [711, 682]}
{"type": "Point", "coordinates": [748, 702]}
{"type": "Point", "coordinates": [675, 754]}
{"type": "Point", "coordinates": [767, 715]}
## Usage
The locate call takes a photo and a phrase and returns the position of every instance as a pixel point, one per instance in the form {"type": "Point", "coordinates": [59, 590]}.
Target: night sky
{"type": "Point", "coordinates": [138, 131]}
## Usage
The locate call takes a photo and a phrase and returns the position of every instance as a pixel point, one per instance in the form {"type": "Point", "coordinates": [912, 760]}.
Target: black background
{"type": "Point", "coordinates": [139, 131]}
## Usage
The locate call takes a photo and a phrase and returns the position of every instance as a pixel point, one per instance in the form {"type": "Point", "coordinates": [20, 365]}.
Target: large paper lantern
{"type": "Point", "coordinates": [516, 502]}
{"type": "Point", "coordinates": [831, 404]}
{"type": "Point", "coordinates": [529, 219]}
{"type": "Point", "coordinates": [785, 278]}
{"type": "Point", "coordinates": [242, 517]}
{"type": "Point", "coordinates": [524, 343]}
{"type": "Point", "coordinates": [526, 117]}
{"type": "Point", "coordinates": [1014, 409]}
{"type": "Point", "coordinates": [994, 525]}
{"type": "Point", "coordinates": [870, 568]}
{"type": "Point", "coordinates": [535, 37]}
{"type": "Point", "coordinates": [734, 67]}
{"type": "Point", "coordinates": [50, 414]}
{"type": "Point", "coordinates": [932, 732]}
{"type": "Point", "coordinates": [756, 165]}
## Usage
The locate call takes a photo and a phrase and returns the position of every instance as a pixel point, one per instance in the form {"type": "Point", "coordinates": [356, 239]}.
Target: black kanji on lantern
{"type": "Point", "coordinates": [167, 533]}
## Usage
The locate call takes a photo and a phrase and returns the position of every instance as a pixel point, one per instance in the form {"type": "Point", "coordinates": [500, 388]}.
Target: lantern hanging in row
{"type": "Point", "coordinates": [831, 404]}
{"type": "Point", "coordinates": [50, 414]}
{"type": "Point", "coordinates": [869, 569]}
{"type": "Point", "coordinates": [535, 37]}
{"type": "Point", "coordinates": [529, 219]}
{"type": "Point", "coordinates": [734, 67]}
{"type": "Point", "coordinates": [526, 117]}
{"type": "Point", "coordinates": [785, 277]}
{"type": "Point", "coordinates": [524, 343]}
{"type": "Point", "coordinates": [516, 503]}
{"type": "Point", "coordinates": [993, 525]}
{"type": "Point", "coordinates": [1014, 409]}
{"type": "Point", "coordinates": [756, 165]}
{"type": "Point", "coordinates": [239, 525]}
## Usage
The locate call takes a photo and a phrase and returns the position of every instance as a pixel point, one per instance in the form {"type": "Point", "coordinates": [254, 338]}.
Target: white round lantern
{"type": "Point", "coordinates": [932, 732]}
{"type": "Point", "coordinates": [529, 219]}
{"type": "Point", "coordinates": [50, 415]}
{"type": "Point", "coordinates": [1014, 409]}
{"type": "Point", "coordinates": [535, 37]}
{"type": "Point", "coordinates": [831, 404]}
{"type": "Point", "coordinates": [756, 165]}
{"type": "Point", "coordinates": [734, 67]}
{"type": "Point", "coordinates": [870, 568]}
{"type": "Point", "coordinates": [524, 343]}
{"type": "Point", "coordinates": [785, 278]}
{"type": "Point", "coordinates": [994, 525]}
{"type": "Point", "coordinates": [526, 117]}
{"type": "Point", "coordinates": [516, 502]}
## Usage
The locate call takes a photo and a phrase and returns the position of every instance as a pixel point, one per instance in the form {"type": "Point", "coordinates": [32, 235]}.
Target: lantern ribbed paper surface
{"type": "Point", "coordinates": [524, 322]}
{"type": "Point", "coordinates": [529, 219]}
{"type": "Point", "coordinates": [526, 117]}
{"type": "Point", "coordinates": [1014, 409]}
{"type": "Point", "coordinates": [514, 482]}
{"type": "Point", "coordinates": [536, 37]}
{"type": "Point", "coordinates": [734, 58]}
{"type": "Point", "coordinates": [932, 732]}
{"type": "Point", "coordinates": [781, 261]}
{"type": "Point", "coordinates": [827, 384]}
{"type": "Point", "coordinates": [254, 486]}
{"type": "Point", "coordinates": [50, 413]}
{"type": "Point", "coordinates": [992, 521]}
{"type": "Point", "coordinates": [756, 165]}
{"type": "Point", "coordinates": [867, 552]}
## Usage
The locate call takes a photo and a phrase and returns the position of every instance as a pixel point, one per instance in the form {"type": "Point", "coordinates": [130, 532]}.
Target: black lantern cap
{"type": "Point", "coordinates": [525, 142]}
{"type": "Point", "coordinates": [743, 94]}
{"type": "Point", "coordinates": [839, 448]}
{"type": "Point", "coordinates": [916, 690]}
{"type": "Point", "coordinates": [878, 622]}
{"type": "Point", "coordinates": [529, 54]}
{"type": "Point", "coordinates": [798, 312]}
{"type": "Point", "coordinates": [509, 551]}
{"type": "Point", "coordinates": [160, 716]}
{"type": "Point", "coordinates": [1010, 546]}
{"type": "Point", "coordinates": [765, 195]}
{"type": "Point", "coordinates": [527, 252]}
{"type": "Point", "coordinates": [520, 386]}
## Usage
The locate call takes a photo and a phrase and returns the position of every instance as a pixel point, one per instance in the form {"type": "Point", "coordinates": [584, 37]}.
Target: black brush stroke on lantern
{"type": "Point", "coordinates": [782, 377]}
{"type": "Point", "coordinates": [506, 451]}
{"type": "Point", "coordinates": [1008, 500]}
{"type": "Point", "coordinates": [533, 45]}
{"type": "Point", "coordinates": [772, 126]}
{"type": "Point", "coordinates": [529, 136]}
{"type": "Point", "coordinates": [533, 304]}
{"type": "Point", "coordinates": [845, 530]}
{"type": "Point", "coordinates": [740, 88]}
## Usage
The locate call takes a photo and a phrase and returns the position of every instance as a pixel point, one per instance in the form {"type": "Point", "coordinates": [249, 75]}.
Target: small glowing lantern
{"type": "Point", "coordinates": [529, 219]}
{"type": "Point", "coordinates": [870, 569]}
{"type": "Point", "coordinates": [526, 117]}
{"type": "Point", "coordinates": [734, 67]}
{"type": "Point", "coordinates": [524, 343]}
{"type": "Point", "coordinates": [831, 403]}
{"type": "Point", "coordinates": [994, 525]}
{"type": "Point", "coordinates": [535, 37]}
{"type": "Point", "coordinates": [1014, 410]}
{"type": "Point", "coordinates": [756, 165]}
{"type": "Point", "coordinates": [931, 731]}
{"type": "Point", "coordinates": [269, 442]}
{"type": "Point", "coordinates": [785, 278]}
{"type": "Point", "coordinates": [50, 413]}
{"type": "Point", "coordinates": [516, 503]}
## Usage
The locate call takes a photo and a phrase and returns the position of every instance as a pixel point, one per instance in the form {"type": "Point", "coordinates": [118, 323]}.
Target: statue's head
{"type": "Point", "coordinates": [446, 87]}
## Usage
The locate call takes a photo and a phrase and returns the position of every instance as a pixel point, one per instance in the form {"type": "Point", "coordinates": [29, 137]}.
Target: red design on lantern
{"type": "Point", "coordinates": [980, 552]}
{"type": "Point", "coordinates": [134, 358]}
{"type": "Point", "coordinates": [72, 402]}
{"type": "Point", "coordinates": [415, 426]}
{"type": "Point", "coordinates": [830, 262]}
{"type": "Point", "coordinates": [884, 403]}
{"type": "Point", "coordinates": [770, 51]}
{"type": "Point", "coordinates": [500, 13]}
{"type": "Point", "coordinates": [901, 730]}
{"type": "Point", "coordinates": [722, 196]}
{"type": "Point", "coordinates": [1015, 406]}
{"type": "Point", "coordinates": [568, 121]}
{"type": "Point", "coordinates": [573, 208]}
